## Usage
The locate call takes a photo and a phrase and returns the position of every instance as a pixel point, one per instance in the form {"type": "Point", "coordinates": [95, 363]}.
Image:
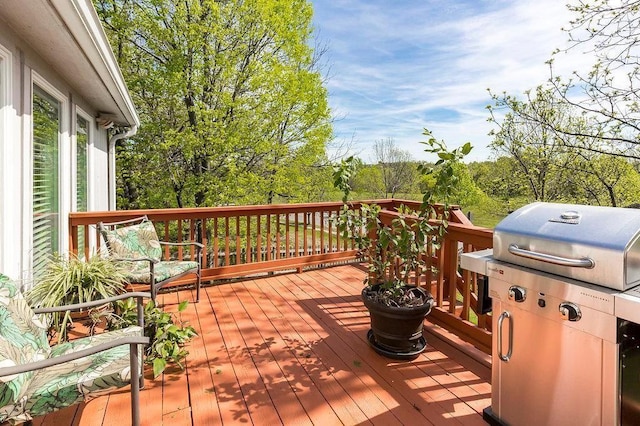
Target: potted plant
{"type": "Point", "coordinates": [397, 249]}
{"type": "Point", "coordinates": [72, 280]}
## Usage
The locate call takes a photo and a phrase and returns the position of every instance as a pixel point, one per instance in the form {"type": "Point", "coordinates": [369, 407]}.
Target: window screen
{"type": "Point", "coordinates": [46, 206]}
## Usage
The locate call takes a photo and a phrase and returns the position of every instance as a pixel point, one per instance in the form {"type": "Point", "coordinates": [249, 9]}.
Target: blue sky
{"type": "Point", "coordinates": [396, 67]}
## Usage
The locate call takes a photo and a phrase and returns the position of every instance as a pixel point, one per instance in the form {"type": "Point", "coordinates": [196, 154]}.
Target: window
{"type": "Point", "coordinates": [82, 158]}
{"type": "Point", "coordinates": [46, 179]}
{"type": "Point", "coordinates": [82, 170]}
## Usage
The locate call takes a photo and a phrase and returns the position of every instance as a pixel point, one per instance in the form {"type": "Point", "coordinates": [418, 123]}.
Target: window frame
{"type": "Point", "coordinates": [64, 164]}
{"type": "Point", "coordinates": [6, 132]}
{"type": "Point", "coordinates": [80, 113]}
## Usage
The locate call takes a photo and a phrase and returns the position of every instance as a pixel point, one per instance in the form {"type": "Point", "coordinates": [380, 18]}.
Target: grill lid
{"type": "Point", "coordinates": [599, 245]}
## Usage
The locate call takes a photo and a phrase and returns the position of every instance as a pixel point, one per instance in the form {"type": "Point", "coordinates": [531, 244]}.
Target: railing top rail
{"type": "Point", "coordinates": [87, 218]}
{"type": "Point", "coordinates": [160, 215]}
{"type": "Point", "coordinates": [464, 232]}
{"type": "Point", "coordinates": [476, 235]}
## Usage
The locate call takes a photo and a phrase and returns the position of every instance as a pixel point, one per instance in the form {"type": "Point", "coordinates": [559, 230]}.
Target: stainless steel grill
{"type": "Point", "coordinates": [599, 245]}
{"type": "Point", "coordinates": [563, 329]}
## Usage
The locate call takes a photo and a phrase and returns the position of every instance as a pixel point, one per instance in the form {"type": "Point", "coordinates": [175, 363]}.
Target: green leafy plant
{"type": "Point", "coordinates": [352, 222]}
{"type": "Point", "coordinates": [72, 280]}
{"type": "Point", "coordinates": [167, 337]}
{"type": "Point", "coordinates": [402, 244]}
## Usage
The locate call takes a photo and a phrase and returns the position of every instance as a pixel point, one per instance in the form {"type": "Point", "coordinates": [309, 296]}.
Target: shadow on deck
{"type": "Point", "coordinates": [292, 349]}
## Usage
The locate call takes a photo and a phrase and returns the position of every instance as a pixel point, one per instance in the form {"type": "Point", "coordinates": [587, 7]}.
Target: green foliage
{"type": "Point", "coordinates": [564, 166]}
{"type": "Point", "coordinates": [402, 244]}
{"type": "Point", "coordinates": [574, 139]}
{"type": "Point", "coordinates": [349, 221]}
{"type": "Point", "coordinates": [395, 167]}
{"type": "Point", "coordinates": [446, 178]}
{"type": "Point", "coordinates": [230, 97]}
{"type": "Point", "coordinates": [167, 337]}
{"type": "Point", "coordinates": [369, 180]}
{"type": "Point", "coordinates": [343, 174]}
{"type": "Point", "coordinates": [501, 179]}
{"type": "Point", "coordinates": [72, 280]}
{"type": "Point", "coordinates": [526, 133]}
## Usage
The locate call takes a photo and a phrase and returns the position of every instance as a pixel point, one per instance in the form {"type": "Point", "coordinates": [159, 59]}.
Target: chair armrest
{"type": "Point", "coordinates": [92, 304]}
{"type": "Point", "coordinates": [189, 243]}
{"type": "Point", "coordinates": [49, 362]}
{"type": "Point", "coordinates": [104, 225]}
{"type": "Point", "coordinates": [134, 259]}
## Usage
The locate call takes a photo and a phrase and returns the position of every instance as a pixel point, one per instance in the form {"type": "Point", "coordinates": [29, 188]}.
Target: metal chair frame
{"type": "Point", "coordinates": [155, 287]}
{"type": "Point", "coordinates": [134, 342]}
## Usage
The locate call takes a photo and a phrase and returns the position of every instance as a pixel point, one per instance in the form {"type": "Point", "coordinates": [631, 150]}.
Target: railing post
{"type": "Point", "coordinates": [451, 262]}
{"type": "Point", "coordinates": [73, 239]}
{"type": "Point", "coordinates": [441, 282]}
{"type": "Point", "coordinates": [373, 236]}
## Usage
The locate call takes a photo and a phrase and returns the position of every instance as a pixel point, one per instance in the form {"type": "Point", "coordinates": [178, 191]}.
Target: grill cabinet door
{"type": "Point", "coordinates": [553, 376]}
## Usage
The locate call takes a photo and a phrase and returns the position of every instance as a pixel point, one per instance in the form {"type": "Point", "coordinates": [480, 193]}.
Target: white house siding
{"type": "Point", "coordinates": [19, 65]}
{"type": "Point", "coordinates": [100, 175]}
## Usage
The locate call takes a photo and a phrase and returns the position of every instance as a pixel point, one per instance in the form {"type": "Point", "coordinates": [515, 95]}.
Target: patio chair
{"type": "Point", "coordinates": [36, 379]}
{"type": "Point", "coordinates": [136, 241]}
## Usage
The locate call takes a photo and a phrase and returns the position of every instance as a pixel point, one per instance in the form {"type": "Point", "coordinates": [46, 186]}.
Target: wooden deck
{"type": "Point", "coordinates": [291, 349]}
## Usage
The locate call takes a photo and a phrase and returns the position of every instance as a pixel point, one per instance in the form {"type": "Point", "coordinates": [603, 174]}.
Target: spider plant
{"type": "Point", "coordinates": [73, 280]}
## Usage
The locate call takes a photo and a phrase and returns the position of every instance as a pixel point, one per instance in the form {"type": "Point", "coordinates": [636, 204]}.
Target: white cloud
{"type": "Point", "coordinates": [397, 67]}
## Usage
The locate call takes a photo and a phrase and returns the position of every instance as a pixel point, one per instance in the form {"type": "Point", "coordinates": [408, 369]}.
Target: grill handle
{"type": "Point", "coordinates": [584, 262]}
{"type": "Point", "coordinates": [505, 357]}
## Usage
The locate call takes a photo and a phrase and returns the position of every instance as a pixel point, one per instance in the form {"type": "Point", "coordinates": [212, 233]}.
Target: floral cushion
{"type": "Point", "coordinates": [82, 379]}
{"type": "Point", "coordinates": [139, 271]}
{"type": "Point", "coordinates": [23, 339]}
{"type": "Point", "coordinates": [134, 241]}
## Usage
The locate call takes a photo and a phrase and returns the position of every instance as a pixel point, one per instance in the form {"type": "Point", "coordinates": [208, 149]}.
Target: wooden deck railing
{"type": "Point", "coordinates": [246, 240]}
{"type": "Point", "coordinates": [455, 290]}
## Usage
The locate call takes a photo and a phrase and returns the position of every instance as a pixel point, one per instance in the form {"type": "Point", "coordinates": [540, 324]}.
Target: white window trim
{"type": "Point", "coordinates": [64, 164]}
{"type": "Point", "coordinates": [74, 153]}
{"type": "Point", "coordinates": [90, 159]}
{"type": "Point", "coordinates": [8, 146]}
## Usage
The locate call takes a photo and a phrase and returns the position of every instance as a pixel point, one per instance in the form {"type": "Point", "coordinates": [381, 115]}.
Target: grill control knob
{"type": "Point", "coordinates": [570, 311]}
{"type": "Point", "coordinates": [517, 294]}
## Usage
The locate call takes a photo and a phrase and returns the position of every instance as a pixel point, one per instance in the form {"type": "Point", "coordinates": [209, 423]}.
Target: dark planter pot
{"type": "Point", "coordinates": [396, 332]}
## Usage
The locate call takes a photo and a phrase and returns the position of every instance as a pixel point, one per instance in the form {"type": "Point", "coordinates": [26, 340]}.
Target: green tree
{"type": "Point", "coordinates": [231, 100]}
{"type": "Point", "coordinates": [397, 168]}
{"type": "Point", "coordinates": [559, 166]}
{"type": "Point", "coordinates": [526, 133]}
{"type": "Point", "coordinates": [501, 179]}
{"type": "Point", "coordinates": [590, 122]}
{"type": "Point", "coordinates": [605, 96]}
{"type": "Point", "coordinates": [368, 182]}
{"type": "Point", "coordinates": [609, 30]}
{"type": "Point", "coordinates": [463, 191]}
{"type": "Point", "coordinates": [599, 179]}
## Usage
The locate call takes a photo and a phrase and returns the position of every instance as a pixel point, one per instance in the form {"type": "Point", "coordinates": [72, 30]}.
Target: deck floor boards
{"type": "Point", "coordinates": [292, 349]}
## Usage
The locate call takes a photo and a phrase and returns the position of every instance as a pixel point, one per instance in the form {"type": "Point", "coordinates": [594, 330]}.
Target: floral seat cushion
{"type": "Point", "coordinates": [138, 247]}
{"type": "Point", "coordinates": [134, 241]}
{"type": "Point", "coordinates": [139, 271]}
{"type": "Point", "coordinates": [23, 339]}
{"type": "Point", "coordinates": [82, 379]}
